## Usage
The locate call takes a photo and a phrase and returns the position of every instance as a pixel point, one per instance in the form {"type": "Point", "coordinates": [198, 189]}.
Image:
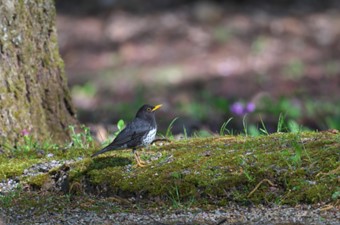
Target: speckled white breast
{"type": "Point", "coordinates": [149, 137]}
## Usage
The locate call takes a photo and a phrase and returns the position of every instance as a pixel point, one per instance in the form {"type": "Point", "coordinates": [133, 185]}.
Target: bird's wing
{"type": "Point", "coordinates": [131, 135]}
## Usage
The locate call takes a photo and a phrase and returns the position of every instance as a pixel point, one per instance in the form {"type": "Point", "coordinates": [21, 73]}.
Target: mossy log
{"type": "Point", "coordinates": [301, 168]}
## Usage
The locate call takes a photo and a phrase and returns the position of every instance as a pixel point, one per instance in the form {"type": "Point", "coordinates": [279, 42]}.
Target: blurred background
{"type": "Point", "coordinates": [205, 61]}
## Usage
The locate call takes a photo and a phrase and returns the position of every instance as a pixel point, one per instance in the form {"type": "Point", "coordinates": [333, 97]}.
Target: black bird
{"type": "Point", "coordinates": [141, 131]}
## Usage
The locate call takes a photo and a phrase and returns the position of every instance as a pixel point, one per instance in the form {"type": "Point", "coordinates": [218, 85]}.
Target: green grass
{"type": "Point", "coordinates": [223, 129]}
{"type": "Point", "coordinates": [168, 132]}
{"type": "Point", "coordinates": [83, 139]}
{"type": "Point", "coordinates": [15, 160]}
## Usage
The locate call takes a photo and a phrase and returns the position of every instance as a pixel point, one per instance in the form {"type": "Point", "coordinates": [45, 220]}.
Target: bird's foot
{"type": "Point", "coordinates": [140, 163]}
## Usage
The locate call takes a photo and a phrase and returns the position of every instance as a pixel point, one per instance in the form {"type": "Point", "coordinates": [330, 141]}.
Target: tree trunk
{"type": "Point", "coordinates": [33, 89]}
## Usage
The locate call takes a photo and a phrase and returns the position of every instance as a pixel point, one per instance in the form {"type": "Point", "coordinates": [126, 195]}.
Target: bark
{"type": "Point", "coordinates": [33, 87]}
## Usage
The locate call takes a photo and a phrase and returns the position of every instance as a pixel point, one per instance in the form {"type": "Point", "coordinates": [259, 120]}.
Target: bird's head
{"type": "Point", "coordinates": [147, 111]}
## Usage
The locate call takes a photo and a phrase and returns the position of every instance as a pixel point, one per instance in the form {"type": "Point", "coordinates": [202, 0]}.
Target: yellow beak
{"type": "Point", "coordinates": [156, 107]}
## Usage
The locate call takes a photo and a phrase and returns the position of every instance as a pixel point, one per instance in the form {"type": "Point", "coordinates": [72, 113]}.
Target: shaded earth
{"type": "Point", "coordinates": [199, 57]}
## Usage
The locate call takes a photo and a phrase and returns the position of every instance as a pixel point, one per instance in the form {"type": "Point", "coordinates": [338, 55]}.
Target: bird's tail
{"type": "Point", "coordinates": [107, 148]}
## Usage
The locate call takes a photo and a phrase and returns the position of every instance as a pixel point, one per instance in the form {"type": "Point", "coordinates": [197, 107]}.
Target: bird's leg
{"type": "Point", "coordinates": [140, 163]}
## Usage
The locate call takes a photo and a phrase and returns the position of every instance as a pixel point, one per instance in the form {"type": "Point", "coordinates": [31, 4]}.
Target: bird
{"type": "Point", "coordinates": [140, 132]}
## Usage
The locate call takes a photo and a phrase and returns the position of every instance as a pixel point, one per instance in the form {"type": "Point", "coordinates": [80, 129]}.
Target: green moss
{"type": "Point", "coordinates": [303, 168]}
{"type": "Point", "coordinates": [39, 180]}
{"type": "Point", "coordinates": [15, 167]}
{"type": "Point", "coordinates": [216, 167]}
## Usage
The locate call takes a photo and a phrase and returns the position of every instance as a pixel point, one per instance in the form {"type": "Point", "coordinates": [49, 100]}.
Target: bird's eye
{"type": "Point", "coordinates": [148, 109]}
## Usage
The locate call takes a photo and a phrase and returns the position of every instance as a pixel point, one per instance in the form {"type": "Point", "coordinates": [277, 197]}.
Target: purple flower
{"type": "Point", "coordinates": [237, 108]}
{"type": "Point", "coordinates": [250, 107]}
{"type": "Point", "coordinates": [240, 109]}
{"type": "Point", "coordinates": [25, 132]}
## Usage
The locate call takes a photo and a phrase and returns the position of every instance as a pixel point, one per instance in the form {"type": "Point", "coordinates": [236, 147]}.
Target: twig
{"type": "Point", "coordinates": [258, 185]}
{"type": "Point", "coordinates": [326, 207]}
{"type": "Point", "coordinates": [119, 199]}
{"type": "Point", "coordinates": [337, 170]}
{"type": "Point", "coordinates": [160, 139]}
